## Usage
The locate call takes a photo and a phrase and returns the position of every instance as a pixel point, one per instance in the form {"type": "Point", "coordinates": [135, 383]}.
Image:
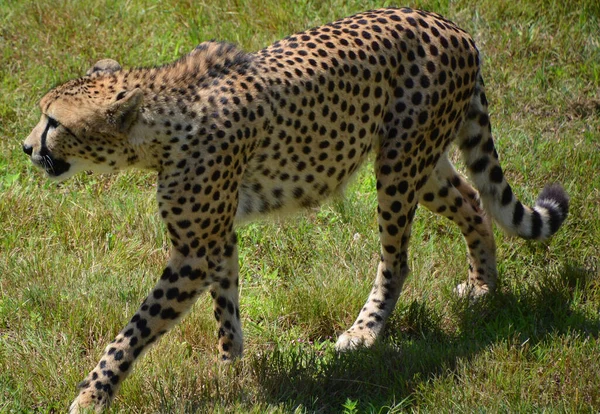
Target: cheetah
{"type": "Point", "coordinates": [234, 136]}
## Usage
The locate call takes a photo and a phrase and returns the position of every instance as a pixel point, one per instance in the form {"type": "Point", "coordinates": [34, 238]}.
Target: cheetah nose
{"type": "Point", "coordinates": [27, 149]}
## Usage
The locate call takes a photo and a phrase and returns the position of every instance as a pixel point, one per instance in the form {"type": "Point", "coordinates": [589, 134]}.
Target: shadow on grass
{"type": "Point", "coordinates": [418, 346]}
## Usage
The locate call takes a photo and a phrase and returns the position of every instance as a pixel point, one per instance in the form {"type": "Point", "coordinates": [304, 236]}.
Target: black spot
{"type": "Point", "coordinates": [155, 309]}
{"type": "Point", "coordinates": [169, 313]}
{"type": "Point", "coordinates": [184, 224]}
{"type": "Point", "coordinates": [496, 174]}
{"type": "Point", "coordinates": [488, 146]}
{"type": "Point", "coordinates": [298, 192]}
{"type": "Point", "coordinates": [225, 283]}
{"type": "Point", "coordinates": [518, 213]}
{"type": "Point", "coordinates": [166, 273]}
{"type": "Point", "coordinates": [417, 98]}
{"type": "Point", "coordinates": [484, 120]}
{"type": "Point", "coordinates": [480, 165]}
{"type": "Point", "coordinates": [402, 221]}
{"type": "Point", "coordinates": [403, 187]}
{"type": "Point", "coordinates": [172, 293]}
{"type": "Point", "coordinates": [507, 195]}
{"type": "Point", "coordinates": [138, 351]}
{"type": "Point", "coordinates": [536, 224]}
{"type": "Point", "coordinates": [471, 142]}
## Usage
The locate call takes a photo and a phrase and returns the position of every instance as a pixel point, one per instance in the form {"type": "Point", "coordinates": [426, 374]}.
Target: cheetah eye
{"type": "Point", "coordinates": [53, 123]}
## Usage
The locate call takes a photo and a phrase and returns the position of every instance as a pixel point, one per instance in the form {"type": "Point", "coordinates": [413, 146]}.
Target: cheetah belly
{"type": "Point", "coordinates": [315, 141]}
{"type": "Point", "coordinates": [291, 173]}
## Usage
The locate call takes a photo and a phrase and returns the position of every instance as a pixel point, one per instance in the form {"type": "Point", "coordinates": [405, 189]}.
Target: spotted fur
{"type": "Point", "coordinates": [235, 135]}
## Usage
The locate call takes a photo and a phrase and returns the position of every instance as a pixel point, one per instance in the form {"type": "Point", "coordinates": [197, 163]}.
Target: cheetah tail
{"type": "Point", "coordinates": [475, 141]}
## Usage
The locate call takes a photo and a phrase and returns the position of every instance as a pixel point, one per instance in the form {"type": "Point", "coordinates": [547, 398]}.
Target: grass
{"type": "Point", "coordinates": [77, 258]}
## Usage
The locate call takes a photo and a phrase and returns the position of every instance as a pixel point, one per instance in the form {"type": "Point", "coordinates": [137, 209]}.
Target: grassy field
{"type": "Point", "coordinates": [76, 259]}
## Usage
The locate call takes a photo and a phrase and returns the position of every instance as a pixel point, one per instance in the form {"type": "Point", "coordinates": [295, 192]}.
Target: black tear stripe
{"type": "Point", "coordinates": [43, 148]}
{"type": "Point", "coordinates": [52, 123]}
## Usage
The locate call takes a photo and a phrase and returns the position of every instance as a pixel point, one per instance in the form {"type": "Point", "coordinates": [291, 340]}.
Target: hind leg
{"type": "Point", "coordinates": [449, 195]}
{"type": "Point", "coordinates": [396, 209]}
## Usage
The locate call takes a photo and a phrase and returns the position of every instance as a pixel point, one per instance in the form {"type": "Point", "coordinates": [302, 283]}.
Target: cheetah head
{"type": "Point", "coordinates": [85, 124]}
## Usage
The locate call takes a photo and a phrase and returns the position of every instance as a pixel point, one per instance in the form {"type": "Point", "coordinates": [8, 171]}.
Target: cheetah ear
{"type": "Point", "coordinates": [123, 112]}
{"type": "Point", "coordinates": [104, 65]}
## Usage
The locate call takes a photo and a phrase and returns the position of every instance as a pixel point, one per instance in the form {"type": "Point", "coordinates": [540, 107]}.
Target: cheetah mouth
{"type": "Point", "coordinates": [53, 167]}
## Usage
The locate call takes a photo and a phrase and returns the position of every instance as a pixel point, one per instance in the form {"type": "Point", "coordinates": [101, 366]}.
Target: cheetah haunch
{"type": "Point", "coordinates": [235, 135]}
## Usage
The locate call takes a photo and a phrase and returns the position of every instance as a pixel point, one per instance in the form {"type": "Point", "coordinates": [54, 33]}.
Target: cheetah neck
{"type": "Point", "coordinates": [182, 100]}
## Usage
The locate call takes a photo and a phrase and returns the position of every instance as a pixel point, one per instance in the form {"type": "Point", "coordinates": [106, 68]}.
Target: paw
{"type": "Point", "coordinates": [350, 341]}
{"type": "Point", "coordinates": [90, 401]}
{"type": "Point", "coordinates": [473, 292]}
{"type": "Point", "coordinates": [230, 350]}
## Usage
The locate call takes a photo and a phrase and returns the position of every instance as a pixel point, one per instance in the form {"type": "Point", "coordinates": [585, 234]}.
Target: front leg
{"type": "Point", "coordinates": [225, 294]}
{"type": "Point", "coordinates": [178, 288]}
{"type": "Point", "coordinates": [204, 254]}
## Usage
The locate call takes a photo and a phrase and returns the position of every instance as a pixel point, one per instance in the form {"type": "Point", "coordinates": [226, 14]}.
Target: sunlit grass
{"type": "Point", "coordinates": [76, 259]}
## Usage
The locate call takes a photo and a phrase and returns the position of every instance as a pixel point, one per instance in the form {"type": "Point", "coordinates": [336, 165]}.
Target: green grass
{"type": "Point", "coordinates": [77, 258]}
